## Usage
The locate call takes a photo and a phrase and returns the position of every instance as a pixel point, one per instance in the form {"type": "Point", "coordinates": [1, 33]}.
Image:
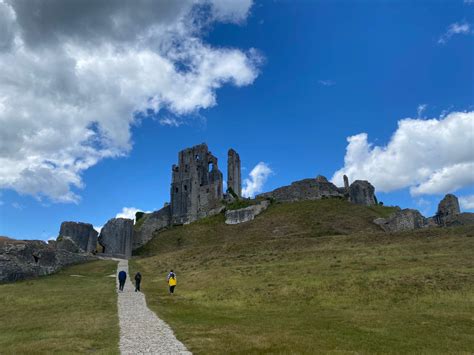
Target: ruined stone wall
{"type": "Point", "coordinates": [361, 192]}
{"type": "Point", "coordinates": [307, 189]}
{"type": "Point", "coordinates": [149, 224]}
{"type": "Point", "coordinates": [24, 259]}
{"type": "Point", "coordinates": [116, 237]}
{"type": "Point", "coordinates": [245, 214]}
{"type": "Point", "coordinates": [403, 220]}
{"type": "Point", "coordinates": [196, 186]}
{"type": "Point", "coordinates": [234, 178]}
{"type": "Point", "coordinates": [83, 234]}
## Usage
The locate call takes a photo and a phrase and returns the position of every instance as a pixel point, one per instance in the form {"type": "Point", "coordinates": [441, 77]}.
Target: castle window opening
{"type": "Point", "coordinates": [185, 187]}
{"type": "Point", "coordinates": [210, 166]}
{"type": "Point", "coordinates": [176, 190]}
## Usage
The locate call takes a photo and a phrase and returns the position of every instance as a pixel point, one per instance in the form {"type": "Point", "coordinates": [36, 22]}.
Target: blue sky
{"type": "Point", "coordinates": [295, 80]}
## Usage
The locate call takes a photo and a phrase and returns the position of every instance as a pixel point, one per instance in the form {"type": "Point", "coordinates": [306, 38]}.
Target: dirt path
{"type": "Point", "coordinates": [141, 331]}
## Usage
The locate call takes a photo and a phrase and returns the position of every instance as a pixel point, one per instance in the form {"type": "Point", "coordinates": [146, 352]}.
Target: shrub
{"type": "Point", "coordinates": [139, 215]}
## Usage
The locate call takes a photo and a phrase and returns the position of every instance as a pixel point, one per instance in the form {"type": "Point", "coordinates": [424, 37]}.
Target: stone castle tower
{"type": "Point", "coordinates": [234, 180]}
{"type": "Point", "coordinates": [196, 187]}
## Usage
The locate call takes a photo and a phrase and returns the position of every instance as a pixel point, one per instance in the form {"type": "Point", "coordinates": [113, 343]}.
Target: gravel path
{"type": "Point", "coordinates": [141, 331]}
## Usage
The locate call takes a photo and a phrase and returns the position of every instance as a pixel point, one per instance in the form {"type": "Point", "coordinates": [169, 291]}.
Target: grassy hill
{"type": "Point", "coordinates": [71, 312]}
{"type": "Point", "coordinates": [313, 277]}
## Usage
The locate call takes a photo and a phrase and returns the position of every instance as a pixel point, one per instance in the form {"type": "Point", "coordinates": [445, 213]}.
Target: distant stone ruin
{"type": "Point", "coordinates": [234, 178]}
{"type": "Point", "coordinates": [448, 214]}
{"type": "Point", "coordinates": [403, 220]}
{"type": "Point", "coordinates": [150, 223]}
{"type": "Point", "coordinates": [196, 187]}
{"type": "Point", "coordinates": [360, 192]}
{"type": "Point", "coordinates": [196, 191]}
{"type": "Point", "coordinates": [116, 237]}
{"type": "Point", "coordinates": [246, 214]}
{"type": "Point", "coordinates": [83, 234]}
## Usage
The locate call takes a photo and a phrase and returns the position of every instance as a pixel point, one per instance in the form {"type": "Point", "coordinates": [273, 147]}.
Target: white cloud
{"type": "Point", "coordinates": [98, 228]}
{"type": "Point", "coordinates": [469, 1]}
{"type": "Point", "coordinates": [421, 109]}
{"type": "Point", "coordinates": [454, 29]}
{"type": "Point", "coordinates": [327, 82]}
{"type": "Point", "coordinates": [17, 206]}
{"type": "Point", "coordinates": [129, 212]}
{"type": "Point", "coordinates": [257, 178]}
{"type": "Point", "coordinates": [434, 156]}
{"type": "Point", "coordinates": [75, 74]}
{"type": "Point", "coordinates": [170, 121]}
{"type": "Point", "coordinates": [466, 202]}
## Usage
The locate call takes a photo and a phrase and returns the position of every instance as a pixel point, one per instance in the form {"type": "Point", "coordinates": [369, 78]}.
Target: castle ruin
{"type": "Point", "coordinates": [234, 179]}
{"type": "Point", "coordinates": [196, 186]}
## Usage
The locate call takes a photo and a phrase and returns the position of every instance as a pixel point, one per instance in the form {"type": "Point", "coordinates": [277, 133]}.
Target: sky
{"type": "Point", "coordinates": [98, 97]}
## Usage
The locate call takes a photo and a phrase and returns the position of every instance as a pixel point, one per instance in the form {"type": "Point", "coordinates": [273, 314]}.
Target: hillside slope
{"type": "Point", "coordinates": [71, 312]}
{"type": "Point", "coordinates": [313, 276]}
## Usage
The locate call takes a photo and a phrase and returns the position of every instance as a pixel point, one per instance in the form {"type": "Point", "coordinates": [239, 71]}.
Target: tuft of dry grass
{"type": "Point", "coordinates": [60, 313]}
{"type": "Point", "coordinates": [313, 277]}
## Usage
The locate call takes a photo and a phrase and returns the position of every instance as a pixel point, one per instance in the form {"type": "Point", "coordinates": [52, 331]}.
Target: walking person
{"type": "Point", "coordinates": [171, 281]}
{"type": "Point", "coordinates": [122, 276]}
{"type": "Point", "coordinates": [138, 279]}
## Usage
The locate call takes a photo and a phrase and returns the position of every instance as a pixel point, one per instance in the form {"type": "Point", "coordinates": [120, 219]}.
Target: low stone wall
{"type": "Point", "coordinates": [245, 214]}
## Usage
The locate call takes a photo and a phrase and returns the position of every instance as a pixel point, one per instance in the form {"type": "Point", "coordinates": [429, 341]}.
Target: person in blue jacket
{"type": "Point", "coordinates": [122, 276]}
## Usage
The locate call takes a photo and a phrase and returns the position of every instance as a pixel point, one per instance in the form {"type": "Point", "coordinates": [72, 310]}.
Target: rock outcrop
{"type": "Point", "coordinates": [150, 223]}
{"type": "Point", "coordinates": [362, 192]}
{"type": "Point", "coordinates": [245, 214]}
{"type": "Point", "coordinates": [116, 237]}
{"type": "Point", "coordinates": [83, 234]}
{"type": "Point", "coordinates": [403, 220]}
{"type": "Point", "coordinates": [23, 259]}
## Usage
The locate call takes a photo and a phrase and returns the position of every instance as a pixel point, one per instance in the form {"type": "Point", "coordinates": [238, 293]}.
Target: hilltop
{"type": "Point", "coordinates": [313, 276]}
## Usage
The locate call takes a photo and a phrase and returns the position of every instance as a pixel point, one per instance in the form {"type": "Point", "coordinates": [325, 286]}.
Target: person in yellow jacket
{"type": "Point", "coordinates": [172, 281]}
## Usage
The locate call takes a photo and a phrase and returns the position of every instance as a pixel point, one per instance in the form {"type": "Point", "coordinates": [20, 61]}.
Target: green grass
{"type": "Point", "coordinates": [313, 277]}
{"type": "Point", "coordinates": [61, 313]}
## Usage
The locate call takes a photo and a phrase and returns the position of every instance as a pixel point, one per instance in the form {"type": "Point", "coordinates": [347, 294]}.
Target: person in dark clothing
{"type": "Point", "coordinates": [138, 279]}
{"type": "Point", "coordinates": [122, 276]}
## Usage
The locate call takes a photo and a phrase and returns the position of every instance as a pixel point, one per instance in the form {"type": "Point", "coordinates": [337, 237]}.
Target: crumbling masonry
{"type": "Point", "coordinates": [196, 187]}
{"type": "Point", "coordinates": [234, 179]}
